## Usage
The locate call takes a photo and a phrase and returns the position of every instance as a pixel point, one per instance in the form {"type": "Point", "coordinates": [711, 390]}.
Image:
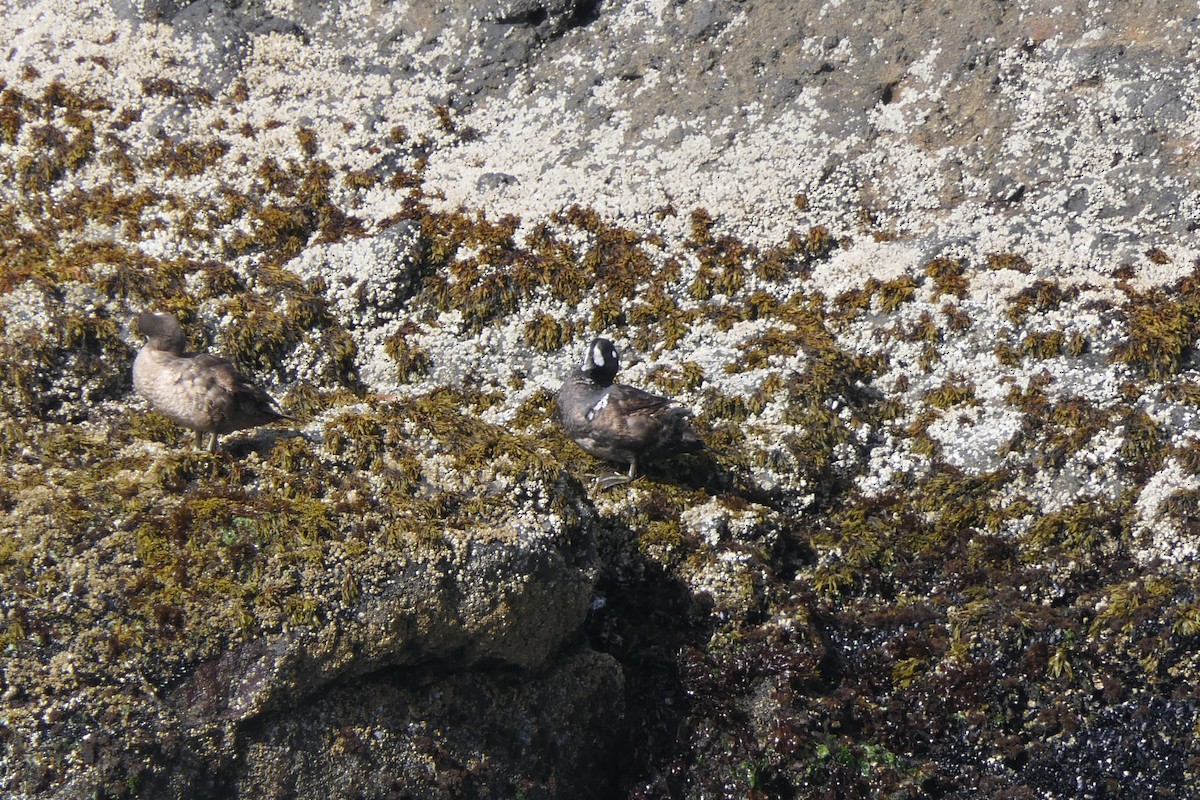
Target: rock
{"type": "Point", "coordinates": [925, 271]}
{"type": "Point", "coordinates": [60, 353]}
{"type": "Point", "coordinates": [367, 283]}
{"type": "Point", "coordinates": [489, 599]}
{"type": "Point", "coordinates": [148, 10]}
{"type": "Point", "coordinates": [424, 734]}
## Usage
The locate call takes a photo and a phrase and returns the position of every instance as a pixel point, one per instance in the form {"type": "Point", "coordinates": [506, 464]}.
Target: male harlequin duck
{"type": "Point", "coordinates": [617, 422]}
{"type": "Point", "coordinates": [196, 390]}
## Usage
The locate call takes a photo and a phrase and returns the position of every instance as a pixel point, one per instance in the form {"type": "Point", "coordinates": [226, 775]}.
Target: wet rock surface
{"type": "Point", "coordinates": [926, 274]}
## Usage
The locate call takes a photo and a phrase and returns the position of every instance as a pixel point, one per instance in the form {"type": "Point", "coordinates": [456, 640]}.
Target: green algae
{"type": "Point", "coordinates": [949, 277]}
{"type": "Point", "coordinates": [955, 392]}
{"type": "Point", "coordinates": [1160, 328]}
{"type": "Point", "coordinates": [892, 294]}
{"type": "Point", "coordinates": [412, 362]}
{"type": "Point", "coordinates": [213, 554]}
{"type": "Point", "coordinates": [546, 334]}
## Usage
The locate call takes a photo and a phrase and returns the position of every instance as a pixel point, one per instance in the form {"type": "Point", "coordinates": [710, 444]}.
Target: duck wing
{"type": "Point", "coordinates": [232, 399]}
{"type": "Point", "coordinates": [625, 400]}
{"type": "Point", "coordinates": [644, 423]}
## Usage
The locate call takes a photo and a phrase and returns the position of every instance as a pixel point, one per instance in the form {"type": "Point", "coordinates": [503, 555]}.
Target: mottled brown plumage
{"type": "Point", "coordinates": [617, 422]}
{"type": "Point", "coordinates": [196, 390]}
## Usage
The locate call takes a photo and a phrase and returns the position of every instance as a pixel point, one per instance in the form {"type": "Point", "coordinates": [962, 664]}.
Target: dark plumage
{"type": "Point", "coordinates": [196, 390]}
{"type": "Point", "coordinates": [618, 422]}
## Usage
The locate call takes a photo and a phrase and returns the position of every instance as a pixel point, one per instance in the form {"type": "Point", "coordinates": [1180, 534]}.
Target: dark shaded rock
{"type": "Point", "coordinates": [1129, 750]}
{"type": "Point", "coordinates": [437, 734]}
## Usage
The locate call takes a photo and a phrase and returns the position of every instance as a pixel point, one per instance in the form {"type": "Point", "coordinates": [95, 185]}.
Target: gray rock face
{"type": "Point", "coordinates": [512, 602]}
{"type": "Point", "coordinates": [899, 111]}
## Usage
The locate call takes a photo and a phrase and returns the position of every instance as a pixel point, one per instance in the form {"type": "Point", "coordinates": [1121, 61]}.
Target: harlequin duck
{"type": "Point", "coordinates": [196, 390]}
{"type": "Point", "coordinates": [617, 422]}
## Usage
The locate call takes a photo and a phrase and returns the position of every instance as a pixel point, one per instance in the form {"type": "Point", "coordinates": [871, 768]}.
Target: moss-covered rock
{"type": "Point", "coordinates": [188, 595]}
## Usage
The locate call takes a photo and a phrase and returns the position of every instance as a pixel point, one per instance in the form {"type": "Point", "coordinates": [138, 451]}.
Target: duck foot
{"type": "Point", "coordinates": [605, 482]}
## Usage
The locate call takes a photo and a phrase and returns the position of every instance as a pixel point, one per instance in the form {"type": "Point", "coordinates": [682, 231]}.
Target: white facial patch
{"type": "Point", "coordinates": [596, 409]}
{"type": "Point", "coordinates": [598, 357]}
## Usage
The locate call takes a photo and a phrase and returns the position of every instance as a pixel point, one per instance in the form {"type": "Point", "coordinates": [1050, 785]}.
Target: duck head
{"type": "Point", "coordinates": [600, 362]}
{"type": "Point", "coordinates": [162, 331]}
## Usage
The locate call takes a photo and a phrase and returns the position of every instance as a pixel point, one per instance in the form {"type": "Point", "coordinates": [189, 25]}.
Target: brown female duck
{"type": "Point", "coordinates": [196, 390]}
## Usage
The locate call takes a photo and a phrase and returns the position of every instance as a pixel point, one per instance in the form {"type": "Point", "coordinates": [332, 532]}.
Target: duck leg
{"type": "Point", "coordinates": [616, 478]}
{"type": "Point", "coordinates": [212, 442]}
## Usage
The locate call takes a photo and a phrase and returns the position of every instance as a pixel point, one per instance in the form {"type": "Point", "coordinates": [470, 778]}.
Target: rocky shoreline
{"type": "Point", "coordinates": [927, 275]}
